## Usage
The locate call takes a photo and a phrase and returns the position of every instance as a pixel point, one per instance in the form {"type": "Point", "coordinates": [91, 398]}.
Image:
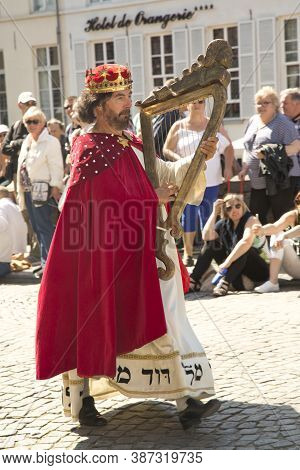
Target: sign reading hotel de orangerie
{"type": "Point", "coordinates": [96, 24]}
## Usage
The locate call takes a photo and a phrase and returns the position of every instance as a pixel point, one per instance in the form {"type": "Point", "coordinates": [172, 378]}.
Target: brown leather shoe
{"type": "Point", "coordinates": [196, 410]}
{"type": "Point", "coordinates": [89, 415]}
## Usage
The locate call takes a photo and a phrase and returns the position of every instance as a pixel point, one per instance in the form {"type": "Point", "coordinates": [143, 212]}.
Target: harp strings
{"type": "Point", "coordinates": [161, 127]}
{"type": "Point", "coordinates": [188, 138]}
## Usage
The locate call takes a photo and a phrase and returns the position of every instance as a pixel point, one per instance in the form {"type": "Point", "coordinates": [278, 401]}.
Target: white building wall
{"type": "Point", "coordinates": [30, 30]}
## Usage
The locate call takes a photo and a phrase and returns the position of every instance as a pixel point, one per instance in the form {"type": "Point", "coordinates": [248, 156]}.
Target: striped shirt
{"type": "Point", "coordinates": [297, 125]}
{"type": "Point", "coordinates": [295, 171]}
{"type": "Point", "coordinates": [278, 131]}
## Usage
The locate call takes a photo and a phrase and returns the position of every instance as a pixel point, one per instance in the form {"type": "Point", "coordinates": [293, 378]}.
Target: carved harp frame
{"type": "Point", "coordinates": [206, 78]}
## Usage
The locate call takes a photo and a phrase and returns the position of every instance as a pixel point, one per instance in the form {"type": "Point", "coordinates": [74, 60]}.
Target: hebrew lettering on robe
{"type": "Point", "coordinates": [196, 371]}
{"type": "Point", "coordinates": [189, 371]}
{"type": "Point", "coordinates": [148, 372]}
{"type": "Point", "coordinates": [126, 378]}
{"type": "Point", "coordinates": [166, 372]}
{"type": "Point", "coordinates": [68, 392]}
{"type": "Point", "coordinates": [157, 371]}
{"type": "Point", "coordinates": [199, 372]}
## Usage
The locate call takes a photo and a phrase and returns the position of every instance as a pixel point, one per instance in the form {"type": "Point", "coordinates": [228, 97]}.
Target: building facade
{"type": "Point", "coordinates": [46, 45]}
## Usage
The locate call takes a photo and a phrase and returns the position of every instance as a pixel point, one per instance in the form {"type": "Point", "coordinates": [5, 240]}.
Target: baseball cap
{"type": "Point", "coordinates": [3, 128]}
{"type": "Point", "coordinates": [25, 97]}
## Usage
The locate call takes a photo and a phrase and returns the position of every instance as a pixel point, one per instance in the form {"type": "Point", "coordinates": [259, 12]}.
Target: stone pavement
{"type": "Point", "coordinates": [252, 341]}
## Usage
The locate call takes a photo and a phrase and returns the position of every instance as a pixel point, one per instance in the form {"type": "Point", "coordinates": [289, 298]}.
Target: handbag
{"type": "Point", "coordinates": [40, 192]}
{"type": "Point", "coordinates": [64, 194]}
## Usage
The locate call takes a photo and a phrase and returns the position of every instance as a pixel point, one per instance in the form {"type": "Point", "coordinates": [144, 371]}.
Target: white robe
{"type": "Point", "coordinates": [171, 367]}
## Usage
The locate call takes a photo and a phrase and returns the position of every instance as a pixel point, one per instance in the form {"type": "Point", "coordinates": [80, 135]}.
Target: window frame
{"type": "Point", "coordinates": [291, 63]}
{"type": "Point", "coordinates": [4, 111]}
{"type": "Point", "coordinates": [232, 69]}
{"type": "Point", "coordinates": [162, 55]}
{"type": "Point", "coordinates": [105, 52]}
{"type": "Point", "coordinates": [49, 68]}
{"type": "Point", "coordinates": [97, 2]}
{"type": "Point", "coordinates": [44, 8]}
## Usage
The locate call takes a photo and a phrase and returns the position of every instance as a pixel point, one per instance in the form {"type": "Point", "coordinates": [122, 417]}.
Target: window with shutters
{"type": "Point", "coordinates": [3, 100]}
{"type": "Point", "coordinates": [162, 60]}
{"type": "Point", "coordinates": [49, 82]}
{"type": "Point", "coordinates": [230, 34]}
{"type": "Point", "coordinates": [94, 2]}
{"type": "Point", "coordinates": [104, 53]}
{"type": "Point", "coordinates": [43, 5]}
{"type": "Point", "coordinates": [292, 52]}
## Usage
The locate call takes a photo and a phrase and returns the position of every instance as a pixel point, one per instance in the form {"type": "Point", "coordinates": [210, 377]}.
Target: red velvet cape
{"type": "Point", "coordinates": [100, 293]}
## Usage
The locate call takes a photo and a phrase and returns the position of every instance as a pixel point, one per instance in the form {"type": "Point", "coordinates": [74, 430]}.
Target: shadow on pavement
{"type": "Point", "coordinates": [20, 278]}
{"type": "Point", "coordinates": [155, 425]}
{"type": "Point", "coordinates": [286, 285]}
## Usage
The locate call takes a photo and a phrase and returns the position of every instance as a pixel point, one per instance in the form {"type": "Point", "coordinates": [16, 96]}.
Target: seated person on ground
{"type": "Point", "coordinates": [13, 231]}
{"type": "Point", "coordinates": [229, 241]}
{"type": "Point", "coordinates": [282, 253]}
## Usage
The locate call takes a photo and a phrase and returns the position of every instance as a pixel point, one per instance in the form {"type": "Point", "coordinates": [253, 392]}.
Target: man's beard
{"type": "Point", "coordinates": [120, 121]}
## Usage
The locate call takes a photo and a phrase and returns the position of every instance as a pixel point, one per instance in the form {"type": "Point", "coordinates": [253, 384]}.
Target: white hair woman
{"type": "Point", "coordinates": [268, 126]}
{"type": "Point", "coordinates": [40, 175]}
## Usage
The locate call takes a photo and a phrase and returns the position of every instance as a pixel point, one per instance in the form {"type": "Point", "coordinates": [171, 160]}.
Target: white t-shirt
{"type": "Point", "coordinates": [13, 230]}
{"type": "Point", "coordinates": [187, 144]}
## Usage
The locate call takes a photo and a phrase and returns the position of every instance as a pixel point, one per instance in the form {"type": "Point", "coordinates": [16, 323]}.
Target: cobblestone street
{"type": "Point", "coordinates": [252, 342]}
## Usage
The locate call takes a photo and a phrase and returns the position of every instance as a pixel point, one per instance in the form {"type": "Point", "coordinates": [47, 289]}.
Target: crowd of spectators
{"type": "Point", "coordinates": [35, 166]}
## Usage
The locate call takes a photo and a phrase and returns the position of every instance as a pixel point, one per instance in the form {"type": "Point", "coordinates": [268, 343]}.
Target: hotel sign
{"type": "Point", "coordinates": [141, 18]}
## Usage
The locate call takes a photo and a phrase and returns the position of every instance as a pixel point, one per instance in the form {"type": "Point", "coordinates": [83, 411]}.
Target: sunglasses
{"type": "Point", "coordinates": [263, 103]}
{"type": "Point", "coordinates": [68, 107]}
{"type": "Point", "coordinates": [32, 121]}
{"type": "Point", "coordinates": [236, 206]}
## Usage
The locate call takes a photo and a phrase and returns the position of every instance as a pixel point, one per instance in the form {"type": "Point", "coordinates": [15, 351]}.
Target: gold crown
{"type": "Point", "coordinates": [107, 78]}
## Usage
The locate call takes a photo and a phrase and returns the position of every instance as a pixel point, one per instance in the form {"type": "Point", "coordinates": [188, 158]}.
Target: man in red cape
{"type": "Point", "coordinates": [100, 295]}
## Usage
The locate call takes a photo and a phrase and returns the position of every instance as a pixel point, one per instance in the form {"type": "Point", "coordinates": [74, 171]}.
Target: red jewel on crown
{"type": "Point", "coordinates": [108, 78]}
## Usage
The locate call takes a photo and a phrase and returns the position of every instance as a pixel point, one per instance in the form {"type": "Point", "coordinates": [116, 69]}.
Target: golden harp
{"type": "Point", "coordinates": [207, 77]}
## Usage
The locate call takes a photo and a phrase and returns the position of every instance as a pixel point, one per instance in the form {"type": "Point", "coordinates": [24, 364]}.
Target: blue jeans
{"type": "Point", "coordinates": [40, 218]}
{"type": "Point", "coordinates": [189, 216]}
{"type": "Point", "coordinates": [4, 269]}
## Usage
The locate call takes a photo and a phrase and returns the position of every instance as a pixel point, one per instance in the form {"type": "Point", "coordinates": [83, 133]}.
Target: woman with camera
{"type": "Point", "coordinates": [40, 175]}
{"type": "Point", "coordinates": [229, 241]}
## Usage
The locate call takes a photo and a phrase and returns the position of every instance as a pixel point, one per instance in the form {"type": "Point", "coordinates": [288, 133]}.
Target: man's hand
{"type": "Point", "coordinates": [55, 193]}
{"type": "Point", "coordinates": [278, 244]}
{"type": "Point", "coordinates": [209, 147]}
{"type": "Point", "coordinates": [243, 173]}
{"type": "Point", "coordinates": [259, 154]}
{"type": "Point", "coordinates": [166, 193]}
{"type": "Point", "coordinates": [258, 230]}
{"type": "Point", "coordinates": [228, 173]}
